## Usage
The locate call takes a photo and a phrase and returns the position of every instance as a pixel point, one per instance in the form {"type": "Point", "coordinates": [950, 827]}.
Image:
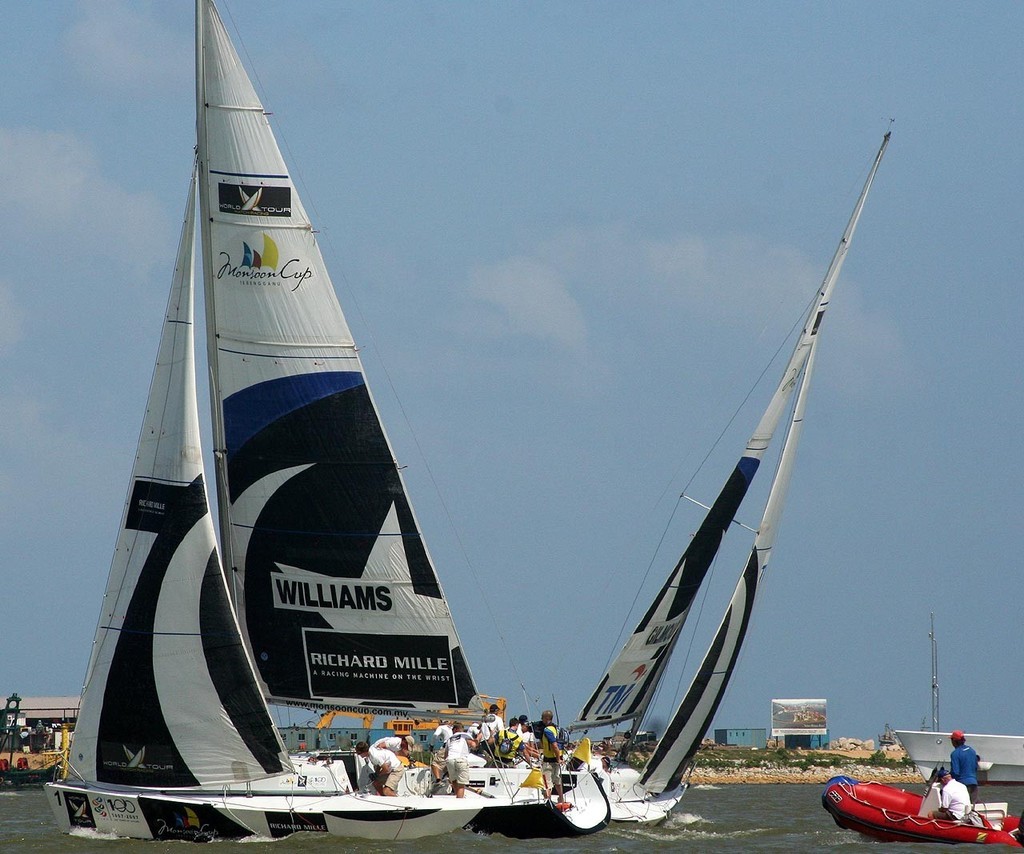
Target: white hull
{"type": "Point", "coordinates": [632, 804]}
{"type": "Point", "coordinates": [319, 799]}
{"type": "Point", "coordinates": [197, 815]}
{"type": "Point", "coordinates": [930, 750]}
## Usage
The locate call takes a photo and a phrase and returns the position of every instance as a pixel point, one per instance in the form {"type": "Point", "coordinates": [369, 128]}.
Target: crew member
{"type": "Point", "coordinates": [963, 763]}
{"type": "Point", "coordinates": [954, 800]}
{"type": "Point", "coordinates": [551, 752]}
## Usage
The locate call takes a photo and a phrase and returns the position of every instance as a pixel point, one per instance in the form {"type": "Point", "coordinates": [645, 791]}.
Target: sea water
{"type": "Point", "coordinates": [733, 818]}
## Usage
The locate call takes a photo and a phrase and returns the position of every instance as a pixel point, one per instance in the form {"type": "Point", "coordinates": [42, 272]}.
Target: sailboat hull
{"type": "Point", "coordinates": [320, 799]}
{"type": "Point", "coordinates": [586, 808]}
{"type": "Point", "coordinates": [204, 816]}
{"type": "Point", "coordinates": [632, 804]}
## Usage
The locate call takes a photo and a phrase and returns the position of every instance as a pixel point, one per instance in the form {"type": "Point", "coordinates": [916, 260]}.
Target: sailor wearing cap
{"type": "Point", "coordinates": [963, 763]}
{"type": "Point", "coordinates": [954, 800]}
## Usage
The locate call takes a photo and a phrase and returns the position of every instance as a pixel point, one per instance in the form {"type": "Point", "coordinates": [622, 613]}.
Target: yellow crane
{"type": "Point", "coordinates": [405, 726]}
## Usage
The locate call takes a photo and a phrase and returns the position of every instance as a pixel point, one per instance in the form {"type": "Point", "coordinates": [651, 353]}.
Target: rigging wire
{"type": "Point", "coordinates": [628, 619]}
{"type": "Point", "coordinates": [689, 648]}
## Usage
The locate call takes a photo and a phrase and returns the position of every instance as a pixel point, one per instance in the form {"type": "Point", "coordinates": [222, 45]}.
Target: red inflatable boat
{"type": "Point", "coordinates": [894, 815]}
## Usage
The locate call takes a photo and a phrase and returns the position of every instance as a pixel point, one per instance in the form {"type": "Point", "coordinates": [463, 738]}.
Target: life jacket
{"type": "Point", "coordinates": [508, 744]}
{"type": "Point", "coordinates": [549, 742]}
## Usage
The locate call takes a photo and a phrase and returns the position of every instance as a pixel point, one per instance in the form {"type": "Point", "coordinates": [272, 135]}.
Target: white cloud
{"type": "Point", "coordinates": [564, 283]}
{"type": "Point", "coordinates": [606, 283]}
{"type": "Point", "coordinates": [533, 300]}
{"type": "Point", "coordinates": [117, 44]}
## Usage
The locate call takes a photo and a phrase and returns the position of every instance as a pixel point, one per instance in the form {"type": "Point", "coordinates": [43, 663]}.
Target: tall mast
{"type": "Point", "coordinates": [935, 676]}
{"type": "Point", "coordinates": [673, 758]}
{"type": "Point", "coordinates": [206, 246]}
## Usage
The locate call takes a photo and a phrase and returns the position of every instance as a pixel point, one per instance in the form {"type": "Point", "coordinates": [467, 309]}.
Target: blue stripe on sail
{"type": "Point", "coordinates": [249, 411]}
{"type": "Point", "coordinates": [748, 467]}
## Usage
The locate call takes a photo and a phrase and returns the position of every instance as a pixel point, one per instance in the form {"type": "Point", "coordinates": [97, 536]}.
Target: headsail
{"type": "Point", "coordinates": [628, 686]}
{"type": "Point", "coordinates": [678, 746]}
{"type": "Point", "coordinates": [170, 698]}
{"type": "Point", "coordinates": [337, 595]}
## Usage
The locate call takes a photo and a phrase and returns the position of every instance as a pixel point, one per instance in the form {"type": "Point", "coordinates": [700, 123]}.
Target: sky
{"type": "Point", "coordinates": [569, 238]}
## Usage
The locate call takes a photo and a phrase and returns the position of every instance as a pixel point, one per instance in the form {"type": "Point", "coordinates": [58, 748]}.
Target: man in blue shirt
{"type": "Point", "coordinates": [963, 762]}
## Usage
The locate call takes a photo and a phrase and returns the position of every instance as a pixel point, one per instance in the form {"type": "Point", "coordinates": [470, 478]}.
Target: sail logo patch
{"type": "Point", "coordinates": [614, 698]}
{"type": "Point", "coordinates": [148, 759]}
{"type": "Point", "coordinates": [252, 200]}
{"type": "Point", "coordinates": [661, 634]}
{"type": "Point", "coordinates": [259, 263]}
{"type": "Point", "coordinates": [150, 503]}
{"type": "Point", "coordinates": [406, 668]}
{"type": "Point", "coordinates": [303, 594]}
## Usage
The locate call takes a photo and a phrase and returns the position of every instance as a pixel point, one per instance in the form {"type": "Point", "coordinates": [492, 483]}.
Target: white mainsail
{"type": "Point", "coordinates": [628, 686]}
{"type": "Point", "coordinates": [336, 593]}
{"type": "Point", "coordinates": [170, 698]}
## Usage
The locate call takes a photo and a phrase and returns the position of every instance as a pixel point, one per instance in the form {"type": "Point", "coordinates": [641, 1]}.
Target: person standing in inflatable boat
{"type": "Point", "coordinates": [963, 763]}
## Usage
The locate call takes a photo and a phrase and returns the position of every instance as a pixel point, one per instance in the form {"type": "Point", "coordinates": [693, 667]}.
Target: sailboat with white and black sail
{"type": "Point", "coordinates": [625, 691]}
{"type": "Point", "coordinates": [333, 600]}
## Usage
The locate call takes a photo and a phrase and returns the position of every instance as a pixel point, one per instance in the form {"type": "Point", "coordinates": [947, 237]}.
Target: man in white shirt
{"type": "Point", "coordinates": [955, 800]}
{"type": "Point", "coordinates": [530, 748]}
{"type": "Point", "coordinates": [437, 761]}
{"type": "Point", "coordinates": [459, 746]}
{"type": "Point", "coordinates": [499, 721]}
{"type": "Point", "coordinates": [383, 757]}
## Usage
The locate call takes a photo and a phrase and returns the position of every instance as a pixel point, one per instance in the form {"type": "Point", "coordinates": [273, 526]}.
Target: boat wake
{"type": "Point", "coordinates": [91, 833]}
{"type": "Point", "coordinates": [682, 819]}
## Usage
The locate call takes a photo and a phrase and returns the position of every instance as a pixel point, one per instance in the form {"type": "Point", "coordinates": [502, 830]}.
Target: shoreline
{"type": "Point", "coordinates": [811, 776]}
{"type": "Point", "coordinates": [725, 766]}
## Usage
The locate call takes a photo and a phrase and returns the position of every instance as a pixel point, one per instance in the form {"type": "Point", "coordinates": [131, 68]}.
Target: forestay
{"type": "Point", "coordinates": [337, 595]}
{"type": "Point", "coordinates": [170, 698]}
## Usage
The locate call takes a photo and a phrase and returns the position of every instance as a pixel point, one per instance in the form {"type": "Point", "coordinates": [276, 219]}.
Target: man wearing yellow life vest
{"type": "Point", "coordinates": [551, 750]}
{"type": "Point", "coordinates": [508, 747]}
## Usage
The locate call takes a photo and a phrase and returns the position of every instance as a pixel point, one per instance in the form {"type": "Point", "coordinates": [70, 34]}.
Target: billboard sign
{"type": "Point", "coordinates": [798, 717]}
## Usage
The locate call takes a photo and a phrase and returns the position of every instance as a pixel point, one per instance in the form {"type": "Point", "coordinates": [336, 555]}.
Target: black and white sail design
{"type": "Point", "coordinates": [336, 593]}
{"type": "Point", "coordinates": [629, 684]}
{"type": "Point", "coordinates": [170, 698]}
{"type": "Point", "coordinates": [175, 739]}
